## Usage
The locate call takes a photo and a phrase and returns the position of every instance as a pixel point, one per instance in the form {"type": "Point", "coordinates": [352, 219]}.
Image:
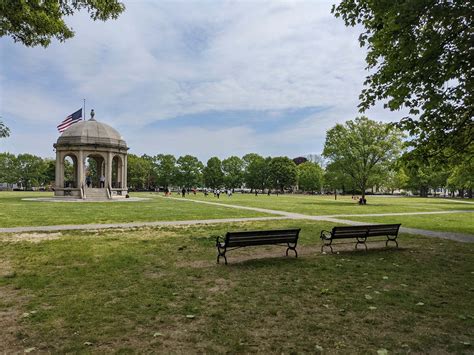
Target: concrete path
{"type": "Point", "coordinates": [67, 227]}
{"type": "Point", "coordinates": [460, 237]}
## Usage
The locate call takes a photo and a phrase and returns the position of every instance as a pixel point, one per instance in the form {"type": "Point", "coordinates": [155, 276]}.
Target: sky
{"type": "Point", "coordinates": [206, 78]}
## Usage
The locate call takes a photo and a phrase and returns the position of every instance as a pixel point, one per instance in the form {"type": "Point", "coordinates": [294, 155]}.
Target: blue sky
{"type": "Point", "coordinates": [192, 77]}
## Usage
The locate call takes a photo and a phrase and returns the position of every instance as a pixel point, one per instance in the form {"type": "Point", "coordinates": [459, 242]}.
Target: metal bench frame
{"type": "Point", "coordinates": [236, 240]}
{"type": "Point", "coordinates": [361, 233]}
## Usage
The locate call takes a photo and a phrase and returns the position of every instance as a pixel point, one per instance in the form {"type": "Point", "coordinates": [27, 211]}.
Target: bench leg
{"type": "Point", "coordinates": [327, 245]}
{"type": "Point", "coordinates": [361, 241]}
{"type": "Point", "coordinates": [219, 254]}
{"type": "Point", "coordinates": [292, 248]}
{"type": "Point", "coordinates": [391, 240]}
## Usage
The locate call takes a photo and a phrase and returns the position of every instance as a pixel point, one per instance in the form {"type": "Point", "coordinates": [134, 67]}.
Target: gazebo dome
{"type": "Point", "coordinates": [91, 132]}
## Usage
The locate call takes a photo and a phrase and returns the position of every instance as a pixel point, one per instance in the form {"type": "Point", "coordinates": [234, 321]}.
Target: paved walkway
{"type": "Point", "coordinates": [465, 238]}
{"type": "Point", "coordinates": [67, 227]}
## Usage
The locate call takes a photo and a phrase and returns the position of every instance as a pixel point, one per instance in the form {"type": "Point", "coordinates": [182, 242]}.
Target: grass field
{"type": "Point", "coordinates": [451, 222]}
{"type": "Point", "coordinates": [16, 212]}
{"type": "Point", "coordinates": [159, 290]}
{"type": "Point", "coordinates": [344, 205]}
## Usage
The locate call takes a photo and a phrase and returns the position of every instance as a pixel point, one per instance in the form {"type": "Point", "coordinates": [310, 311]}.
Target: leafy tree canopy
{"type": "Point", "coordinates": [310, 176]}
{"type": "Point", "coordinates": [420, 57]}
{"type": "Point", "coordinates": [283, 172]}
{"type": "Point", "coordinates": [233, 172]}
{"type": "Point", "coordinates": [212, 173]}
{"type": "Point", "coordinates": [362, 149]}
{"type": "Point", "coordinates": [4, 130]}
{"type": "Point", "coordinates": [256, 174]}
{"type": "Point", "coordinates": [166, 169]}
{"type": "Point", "coordinates": [36, 22]}
{"type": "Point", "coordinates": [189, 171]}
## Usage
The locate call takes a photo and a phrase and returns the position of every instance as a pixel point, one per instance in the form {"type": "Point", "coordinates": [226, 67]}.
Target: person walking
{"type": "Point", "coordinates": [102, 181]}
{"type": "Point", "coordinates": [183, 192]}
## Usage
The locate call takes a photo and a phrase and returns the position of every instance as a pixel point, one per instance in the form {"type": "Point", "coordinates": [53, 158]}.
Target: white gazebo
{"type": "Point", "coordinates": [103, 149]}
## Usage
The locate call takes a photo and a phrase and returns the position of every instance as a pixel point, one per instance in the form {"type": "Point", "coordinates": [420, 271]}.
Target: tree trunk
{"type": "Point", "coordinates": [423, 191]}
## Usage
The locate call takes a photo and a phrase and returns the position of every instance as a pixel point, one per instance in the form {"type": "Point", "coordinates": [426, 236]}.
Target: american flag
{"type": "Point", "coordinates": [70, 120]}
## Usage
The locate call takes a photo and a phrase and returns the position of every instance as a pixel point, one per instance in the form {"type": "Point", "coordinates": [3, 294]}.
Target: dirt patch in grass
{"type": "Point", "coordinates": [10, 314]}
{"type": "Point", "coordinates": [221, 285]}
{"type": "Point", "coordinates": [6, 270]}
{"type": "Point", "coordinates": [29, 237]}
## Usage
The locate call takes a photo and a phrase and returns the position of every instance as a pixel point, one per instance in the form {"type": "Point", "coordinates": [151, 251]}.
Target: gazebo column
{"type": "Point", "coordinates": [124, 172]}
{"type": "Point", "coordinates": [108, 172]}
{"type": "Point", "coordinates": [80, 169]}
{"type": "Point", "coordinates": [59, 178]}
{"type": "Point", "coordinates": [119, 172]}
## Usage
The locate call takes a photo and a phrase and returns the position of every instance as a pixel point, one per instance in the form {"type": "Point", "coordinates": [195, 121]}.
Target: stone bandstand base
{"type": "Point", "coordinates": [73, 199]}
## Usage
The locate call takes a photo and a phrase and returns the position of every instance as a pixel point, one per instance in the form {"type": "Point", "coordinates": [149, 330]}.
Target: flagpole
{"type": "Point", "coordinates": [84, 109]}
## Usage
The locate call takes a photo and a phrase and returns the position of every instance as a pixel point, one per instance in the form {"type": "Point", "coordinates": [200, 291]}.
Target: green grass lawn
{"type": "Point", "coordinates": [344, 205]}
{"type": "Point", "coordinates": [452, 222]}
{"type": "Point", "coordinates": [15, 212]}
{"type": "Point", "coordinates": [159, 290]}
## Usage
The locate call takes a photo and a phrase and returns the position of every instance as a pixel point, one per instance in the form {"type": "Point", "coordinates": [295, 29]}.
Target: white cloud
{"type": "Point", "coordinates": [160, 60]}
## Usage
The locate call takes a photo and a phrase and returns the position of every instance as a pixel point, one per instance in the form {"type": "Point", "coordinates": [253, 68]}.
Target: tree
{"type": "Point", "coordinates": [462, 178]}
{"type": "Point", "coordinates": [36, 22]}
{"type": "Point", "coordinates": [283, 173]}
{"type": "Point", "coordinates": [310, 176]}
{"type": "Point", "coordinates": [423, 175]}
{"type": "Point", "coordinates": [420, 57]}
{"type": "Point", "coordinates": [8, 168]}
{"type": "Point", "coordinates": [151, 175]}
{"type": "Point", "coordinates": [4, 130]}
{"type": "Point", "coordinates": [166, 169]}
{"type": "Point", "coordinates": [396, 179]}
{"type": "Point", "coordinates": [49, 171]}
{"type": "Point", "coordinates": [361, 148]}
{"type": "Point", "coordinates": [137, 172]}
{"type": "Point", "coordinates": [256, 171]}
{"type": "Point", "coordinates": [212, 173]}
{"type": "Point", "coordinates": [336, 179]}
{"type": "Point", "coordinates": [189, 171]}
{"type": "Point", "coordinates": [30, 170]}
{"type": "Point", "coordinates": [233, 172]}
{"type": "Point", "coordinates": [317, 159]}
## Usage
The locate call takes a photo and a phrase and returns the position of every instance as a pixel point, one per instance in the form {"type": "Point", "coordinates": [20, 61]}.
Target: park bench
{"type": "Point", "coordinates": [234, 240]}
{"type": "Point", "coordinates": [361, 233]}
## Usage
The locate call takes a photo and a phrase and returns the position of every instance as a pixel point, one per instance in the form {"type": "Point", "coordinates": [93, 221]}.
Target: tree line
{"type": "Point", "coordinates": [252, 171]}
{"type": "Point", "coordinates": [358, 155]}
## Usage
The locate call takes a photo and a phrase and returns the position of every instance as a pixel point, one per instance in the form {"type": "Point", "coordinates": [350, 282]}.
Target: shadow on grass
{"type": "Point", "coordinates": [259, 261]}
{"type": "Point", "coordinates": [369, 252]}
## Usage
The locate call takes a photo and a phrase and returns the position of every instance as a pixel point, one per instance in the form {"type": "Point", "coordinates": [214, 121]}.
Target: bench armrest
{"type": "Point", "coordinates": [326, 235]}
{"type": "Point", "coordinates": [219, 241]}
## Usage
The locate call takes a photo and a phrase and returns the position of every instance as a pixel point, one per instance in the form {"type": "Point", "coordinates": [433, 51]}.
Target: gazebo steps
{"type": "Point", "coordinates": [95, 193]}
